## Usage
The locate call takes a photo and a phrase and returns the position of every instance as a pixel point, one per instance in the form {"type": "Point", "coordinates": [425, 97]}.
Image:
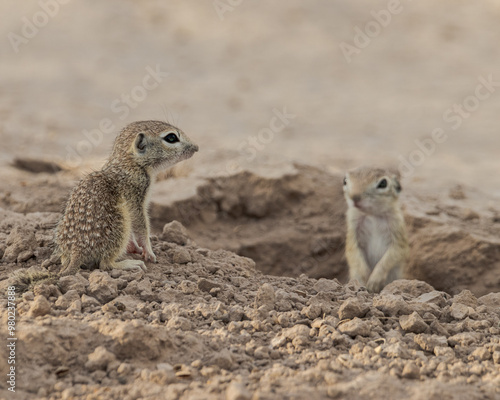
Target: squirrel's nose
{"type": "Point", "coordinates": [356, 198]}
{"type": "Point", "coordinates": [194, 147]}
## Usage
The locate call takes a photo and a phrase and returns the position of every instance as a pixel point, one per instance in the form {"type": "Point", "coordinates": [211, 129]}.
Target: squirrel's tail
{"type": "Point", "coordinates": [24, 280]}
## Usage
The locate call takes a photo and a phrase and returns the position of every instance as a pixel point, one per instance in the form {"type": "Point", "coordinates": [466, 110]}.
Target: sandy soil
{"type": "Point", "coordinates": [207, 323]}
{"type": "Point", "coordinates": [249, 299]}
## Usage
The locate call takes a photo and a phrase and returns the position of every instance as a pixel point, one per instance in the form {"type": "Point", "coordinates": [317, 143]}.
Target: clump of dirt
{"type": "Point", "coordinates": [36, 166]}
{"type": "Point", "coordinates": [207, 324]}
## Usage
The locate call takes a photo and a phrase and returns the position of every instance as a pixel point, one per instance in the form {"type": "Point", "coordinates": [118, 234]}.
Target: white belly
{"type": "Point", "coordinates": [374, 238]}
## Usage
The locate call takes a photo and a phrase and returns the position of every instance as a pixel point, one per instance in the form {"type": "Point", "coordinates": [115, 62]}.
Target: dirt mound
{"type": "Point", "coordinates": [294, 224]}
{"type": "Point", "coordinates": [207, 324]}
{"type": "Point", "coordinates": [289, 225]}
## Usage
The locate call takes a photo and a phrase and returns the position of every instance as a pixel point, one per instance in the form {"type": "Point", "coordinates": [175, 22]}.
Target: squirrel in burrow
{"type": "Point", "coordinates": [377, 247]}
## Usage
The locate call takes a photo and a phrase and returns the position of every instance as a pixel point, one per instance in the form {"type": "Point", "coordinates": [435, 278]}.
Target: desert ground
{"type": "Point", "coordinates": [250, 297]}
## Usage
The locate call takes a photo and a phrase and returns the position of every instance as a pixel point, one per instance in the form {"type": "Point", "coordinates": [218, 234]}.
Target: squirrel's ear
{"type": "Point", "coordinates": [140, 143]}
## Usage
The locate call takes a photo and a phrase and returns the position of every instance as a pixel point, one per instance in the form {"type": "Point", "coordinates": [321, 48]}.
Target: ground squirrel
{"type": "Point", "coordinates": [376, 246]}
{"type": "Point", "coordinates": [107, 212]}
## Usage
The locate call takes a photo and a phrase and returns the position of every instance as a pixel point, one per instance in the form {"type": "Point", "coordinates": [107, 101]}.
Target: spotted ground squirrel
{"type": "Point", "coordinates": [107, 212]}
{"type": "Point", "coordinates": [376, 245]}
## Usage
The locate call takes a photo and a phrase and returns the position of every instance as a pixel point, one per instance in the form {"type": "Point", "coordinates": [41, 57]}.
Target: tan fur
{"type": "Point", "coordinates": [376, 245]}
{"type": "Point", "coordinates": [107, 212]}
{"type": "Point", "coordinates": [24, 281]}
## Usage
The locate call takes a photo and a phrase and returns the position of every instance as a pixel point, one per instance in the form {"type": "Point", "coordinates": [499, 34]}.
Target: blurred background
{"type": "Point", "coordinates": [328, 83]}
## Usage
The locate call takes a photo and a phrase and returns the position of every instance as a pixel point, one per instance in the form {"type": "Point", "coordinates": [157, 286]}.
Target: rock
{"type": "Point", "coordinates": [187, 287]}
{"type": "Point", "coordinates": [184, 372]}
{"type": "Point", "coordinates": [465, 297]}
{"type": "Point", "coordinates": [265, 298]}
{"type": "Point", "coordinates": [180, 255]}
{"type": "Point", "coordinates": [131, 303]}
{"type": "Point", "coordinates": [476, 369]}
{"type": "Point", "coordinates": [40, 307]}
{"type": "Point", "coordinates": [351, 308]}
{"type": "Point", "coordinates": [491, 300]}
{"type": "Point", "coordinates": [20, 239]}
{"type": "Point", "coordinates": [396, 350]}
{"type": "Point", "coordinates": [355, 327]}
{"type": "Point", "coordinates": [99, 359]}
{"type": "Point", "coordinates": [141, 288]}
{"type": "Point", "coordinates": [412, 287]}
{"type": "Point", "coordinates": [444, 351]}
{"type": "Point", "coordinates": [206, 286]}
{"type": "Point", "coordinates": [102, 287]}
{"type": "Point", "coordinates": [278, 341]}
{"type": "Point", "coordinates": [391, 305]}
{"type": "Point", "coordinates": [438, 329]}
{"type": "Point", "coordinates": [236, 391]}
{"type": "Point", "coordinates": [296, 331]}
{"type": "Point", "coordinates": [223, 359]}
{"type": "Point", "coordinates": [135, 338]}
{"type": "Point", "coordinates": [284, 320]}
{"type": "Point", "coordinates": [481, 353]}
{"type": "Point", "coordinates": [429, 342]}
{"type": "Point", "coordinates": [236, 313]}
{"type": "Point", "coordinates": [496, 357]}
{"type": "Point", "coordinates": [464, 338]}
{"type": "Point", "coordinates": [413, 323]}
{"type": "Point", "coordinates": [312, 312]}
{"type": "Point", "coordinates": [25, 255]}
{"type": "Point", "coordinates": [88, 302]}
{"type": "Point", "coordinates": [175, 232]}
{"type": "Point", "coordinates": [64, 301]}
{"type": "Point", "coordinates": [74, 282]}
{"type": "Point", "coordinates": [28, 296]}
{"type": "Point", "coordinates": [459, 311]}
{"type": "Point", "coordinates": [261, 352]}
{"type": "Point", "coordinates": [411, 371]}
{"type": "Point", "coordinates": [124, 369]}
{"type": "Point", "coordinates": [165, 367]}
{"type": "Point", "coordinates": [46, 290]}
{"type": "Point", "coordinates": [75, 306]}
{"type": "Point", "coordinates": [433, 297]}
{"type": "Point", "coordinates": [179, 323]}
{"type": "Point", "coordinates": [35, 165]}
{"type": "Point", "coordinates": [327, 285]}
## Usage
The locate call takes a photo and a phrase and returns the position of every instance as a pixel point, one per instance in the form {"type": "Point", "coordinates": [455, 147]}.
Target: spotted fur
{"type": "Point", "coordinates": [107, 212]}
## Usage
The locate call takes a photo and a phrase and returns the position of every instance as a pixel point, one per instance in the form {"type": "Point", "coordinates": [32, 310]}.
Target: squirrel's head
{"type": "Point", "coordinates": [153, 144]}
{"type": "Point", "coordinates": [372, 190]}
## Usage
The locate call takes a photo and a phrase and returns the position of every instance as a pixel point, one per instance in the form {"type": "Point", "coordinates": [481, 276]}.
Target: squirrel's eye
{"type": "Point", "coordinates": [345, 181]}
{"type": "Point", "coordinates": [171, 138]}
{"type": "Point", "coordinates": [382, 184]}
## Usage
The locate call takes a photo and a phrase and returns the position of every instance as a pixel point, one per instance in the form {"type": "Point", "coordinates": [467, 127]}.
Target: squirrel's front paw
{"type": "Point", "coordinates": [375, 284]}
{"type": "Point", "coordinates": [148, 255]}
